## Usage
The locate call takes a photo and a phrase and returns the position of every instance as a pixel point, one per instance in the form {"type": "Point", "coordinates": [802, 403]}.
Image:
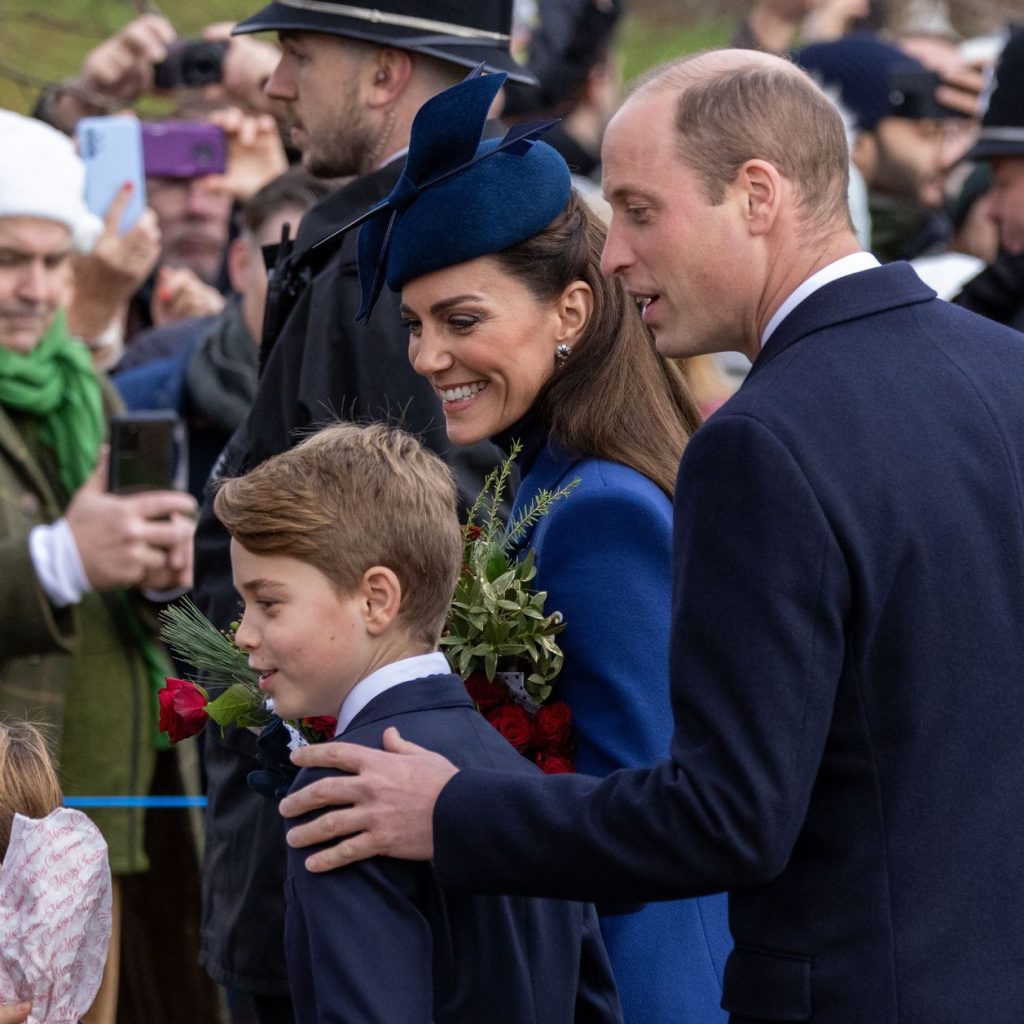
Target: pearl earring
{"type": "Point", "coordinates": [562, 353]}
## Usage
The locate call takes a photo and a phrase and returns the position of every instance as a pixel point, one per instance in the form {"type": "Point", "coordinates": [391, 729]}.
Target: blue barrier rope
{"type": "Point", "coordinates": [135, 801]}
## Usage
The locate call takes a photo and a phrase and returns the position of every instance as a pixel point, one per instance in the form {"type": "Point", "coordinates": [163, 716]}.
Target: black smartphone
{"type": "Point", "coordinates": [147, 452]}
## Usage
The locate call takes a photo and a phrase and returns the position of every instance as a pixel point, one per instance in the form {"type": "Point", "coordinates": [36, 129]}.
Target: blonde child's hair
{"type": "Point", "coordinates": [350, 497]}
{"type": "Point", "coordinates": [28, 779]}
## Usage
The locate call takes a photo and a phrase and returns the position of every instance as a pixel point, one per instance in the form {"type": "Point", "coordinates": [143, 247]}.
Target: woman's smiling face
{"type": "Point", "coordinates": [485, 343]}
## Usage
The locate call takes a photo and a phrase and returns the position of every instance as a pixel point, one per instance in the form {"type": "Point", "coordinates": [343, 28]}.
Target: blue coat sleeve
{"type": "Point", "coordinates": [758, 639]}
{"type": "Point", "coordinates": [604, 555]}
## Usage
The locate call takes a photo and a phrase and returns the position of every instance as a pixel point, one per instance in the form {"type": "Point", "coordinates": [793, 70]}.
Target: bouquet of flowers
{"type": "Point", "coordinates": [497, 637]}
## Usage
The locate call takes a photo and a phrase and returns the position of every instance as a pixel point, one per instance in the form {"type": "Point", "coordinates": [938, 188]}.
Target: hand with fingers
{"type": "Point", "coordinates": [383, 807]}
{"type": "Point", "coordinates": [15, 1013]}
{"type": "Point", "coordinates": [121, 67]}
{"type": "Point", "coordinates": [248, 64]}
{"type": "Point", "coordinates": [255, 151]}
{"type": "Point", "coordinates": [132, 540]}
{"type": "Point", "coordinates": [179, 293]}
{"type": "Point", "coordinates": [106, 278]}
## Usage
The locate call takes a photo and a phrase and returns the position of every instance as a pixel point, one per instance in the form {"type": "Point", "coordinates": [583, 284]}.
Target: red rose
{"type": "Point", "coordinates": [554, 764]}
{"type": "Point", "coordinates": [487, 695]}
{"type": "Point", "coordinates": [552, 728]}
{"type": "Point", "coordinates": [182, 709]}
{"type": "Point", "coordinates": [514, 724]}
{"type": "Point", "coordinates": [473, 532]}
{"type": "Point", "coordinates": [323, 724]}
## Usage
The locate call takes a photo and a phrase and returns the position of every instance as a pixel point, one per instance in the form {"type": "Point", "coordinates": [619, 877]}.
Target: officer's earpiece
{"type": "Point", "coordinates": [381, 77]}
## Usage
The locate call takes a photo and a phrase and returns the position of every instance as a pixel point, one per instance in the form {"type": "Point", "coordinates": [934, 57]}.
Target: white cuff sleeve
{"type": "Point", "coordinates": [57, 563]}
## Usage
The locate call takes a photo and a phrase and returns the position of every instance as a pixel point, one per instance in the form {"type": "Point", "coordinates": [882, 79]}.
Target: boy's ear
{"type": "Point", "coordinates": [382, 597]}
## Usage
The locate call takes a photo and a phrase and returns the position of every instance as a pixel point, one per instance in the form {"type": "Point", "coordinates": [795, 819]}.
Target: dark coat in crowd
{"type": "Point", "coordinates": [321, 367]}
{"type": "Point", "coordinates": [997, 292]}
{"type": "Point", "coordinates": [846, 677]}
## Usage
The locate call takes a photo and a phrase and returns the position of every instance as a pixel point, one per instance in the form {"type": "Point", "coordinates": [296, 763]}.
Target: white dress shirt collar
{"type": "Point", "coordinates": [852, 264]}
{"type": "Point", "coordinates": [433, 664]}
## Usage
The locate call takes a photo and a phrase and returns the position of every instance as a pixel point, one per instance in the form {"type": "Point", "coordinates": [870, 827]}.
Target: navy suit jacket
{"type": "Point", "coordinates": [847, 661]}
{"type": "Point", "coordinates": [381, 942]}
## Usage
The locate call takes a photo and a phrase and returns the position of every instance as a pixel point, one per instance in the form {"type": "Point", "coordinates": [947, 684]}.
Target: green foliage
{"type": "Point", "coordinates": [238, 705]}
{"type": "Point", "coordinates": [497, 621]}
{"type": "Point", "coordinates": [645, 43]}
{"type": "Point", "coordinates": [195, 640]}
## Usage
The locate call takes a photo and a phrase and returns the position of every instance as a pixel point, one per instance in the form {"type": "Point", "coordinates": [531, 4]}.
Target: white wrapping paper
{"type": "Point", "coordinates": [54, 915]}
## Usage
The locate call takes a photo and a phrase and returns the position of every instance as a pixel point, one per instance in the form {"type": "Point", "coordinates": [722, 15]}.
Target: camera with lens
{"type": "Point", "coordinates": [191, 62]}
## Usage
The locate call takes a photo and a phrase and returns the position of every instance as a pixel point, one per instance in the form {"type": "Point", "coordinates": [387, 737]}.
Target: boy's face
{"type": "Point", "coordinates": [308, 641]}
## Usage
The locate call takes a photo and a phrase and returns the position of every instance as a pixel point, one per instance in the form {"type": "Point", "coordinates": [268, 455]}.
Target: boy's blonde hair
{"type": "Point", "coordinates": [28, 780]}
{"type": "Point", "coordinates": [350, 497]}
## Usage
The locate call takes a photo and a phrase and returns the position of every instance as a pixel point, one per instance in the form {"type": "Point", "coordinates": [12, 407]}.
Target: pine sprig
{"type": "Point", "coordinates": [497, 622]}
{"type": "Point", "coordinates": [195, 640]}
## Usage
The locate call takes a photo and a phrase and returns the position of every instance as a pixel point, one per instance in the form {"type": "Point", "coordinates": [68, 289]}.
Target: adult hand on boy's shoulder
{"type": "Point", "coordinates": [14, 1013]}
{"type": "Point", "coordinates": [384, 806]}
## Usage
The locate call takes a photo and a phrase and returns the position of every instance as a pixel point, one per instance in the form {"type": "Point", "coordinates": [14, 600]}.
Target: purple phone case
{"type": "Point", "coordinates": [183, 149]}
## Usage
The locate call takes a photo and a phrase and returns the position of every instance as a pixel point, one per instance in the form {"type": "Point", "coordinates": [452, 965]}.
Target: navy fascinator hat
{"type": "Point", "coordinates": [458, 198]}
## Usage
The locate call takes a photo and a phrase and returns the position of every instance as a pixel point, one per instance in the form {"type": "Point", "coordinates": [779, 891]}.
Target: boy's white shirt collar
{"type": "Point", "coordinates": [852, 264]}
{"type": "Point", "coordinates": [433, 664]}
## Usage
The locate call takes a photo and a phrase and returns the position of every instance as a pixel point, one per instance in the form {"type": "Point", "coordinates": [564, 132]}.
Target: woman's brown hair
{"type": "Point", "coordinates": [28, 780]}
{"type": "Point", "coordinates": [614, 398]}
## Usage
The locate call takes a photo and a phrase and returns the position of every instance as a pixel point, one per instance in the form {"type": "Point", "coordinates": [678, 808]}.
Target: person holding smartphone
{"type": "Point", "coordinates": [77, 647]}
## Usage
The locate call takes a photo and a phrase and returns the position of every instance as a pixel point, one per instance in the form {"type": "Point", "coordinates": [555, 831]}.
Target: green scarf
{"type": "Point", "coordinates": [57, 384]}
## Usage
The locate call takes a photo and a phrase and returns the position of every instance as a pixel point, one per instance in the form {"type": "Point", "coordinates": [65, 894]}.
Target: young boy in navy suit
{"type": "Point", "coordinates": [345, 551]}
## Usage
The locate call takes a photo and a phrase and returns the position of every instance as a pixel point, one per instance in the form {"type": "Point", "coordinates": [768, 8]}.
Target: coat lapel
{"type": "Point", "coordinates": [849, 298]}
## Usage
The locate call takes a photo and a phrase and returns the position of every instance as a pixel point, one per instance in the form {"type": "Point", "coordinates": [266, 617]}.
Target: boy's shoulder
{"type": "Point", "coordinates": [434, 712]}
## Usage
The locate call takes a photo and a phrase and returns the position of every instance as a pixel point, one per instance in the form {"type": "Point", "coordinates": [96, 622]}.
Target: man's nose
{"type": "Point", "coordinates": [280, 85]}
{"type": "Point", "coordinates": [35, 282]}
{"type": "Point", "coordinates": [616, 255]}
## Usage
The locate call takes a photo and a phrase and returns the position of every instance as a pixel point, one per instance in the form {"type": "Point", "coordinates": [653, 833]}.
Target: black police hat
{"type": "Point", "coordinates": [466, 32]}
{"type": "Point", "coordinates": [1002, 127]}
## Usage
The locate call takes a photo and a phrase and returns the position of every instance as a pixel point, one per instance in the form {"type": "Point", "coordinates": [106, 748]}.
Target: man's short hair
{"type": "Point", "coordinates": [295, 189]}
{"type": "Point", "coordinates": [350, 497]}
{"type": "Point", "coordinates": [757, 107]}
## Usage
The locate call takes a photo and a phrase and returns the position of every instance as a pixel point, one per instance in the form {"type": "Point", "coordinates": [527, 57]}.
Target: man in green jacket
{"type": "Point", "coordinates": [77, 648]}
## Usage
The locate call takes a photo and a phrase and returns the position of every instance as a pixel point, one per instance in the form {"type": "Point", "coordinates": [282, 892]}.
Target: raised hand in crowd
{"type": "Point", "coordinates": [255, 151]}
{"type": "Point", "coordinates": [114, 74]}
{"type": "Point", "coordinates": [179, 293]}
{"type": "Point", "coordinates": [830, 19]}
{"type": "Point", "coordinates": [248, 64]}
{"type": "Point", "coordinates": [132, 540]}
{"type": "Point", "coordinates": [106, 278]}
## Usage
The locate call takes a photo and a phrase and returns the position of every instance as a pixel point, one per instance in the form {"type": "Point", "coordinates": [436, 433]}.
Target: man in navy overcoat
{"type": "Point", "coordinates": [847, 658]}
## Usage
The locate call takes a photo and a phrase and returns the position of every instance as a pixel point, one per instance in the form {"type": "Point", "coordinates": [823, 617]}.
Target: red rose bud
{"type": "Point", "coordinates": [325, 724]}
{"type": "Point", "coordinates": [514, 724]}
{"type": "Point", "coordinates": [473, 532]}
{"type": "Point", "coordinates": [487, 695]}
{"type": "Point", "coordinates": [552, 728]}
{"type": "Point", "coordinates": [182, 709]}
{"type": "Point", "coordinates": [554, 764]}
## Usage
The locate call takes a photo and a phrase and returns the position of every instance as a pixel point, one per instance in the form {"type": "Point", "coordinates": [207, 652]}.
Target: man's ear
{"type": "Point", "coordinates": [761, 187]}
{"type": "Point", "coordinates": [239, 258]}
{"type": "Point", "coordinates": [389, 72]}
{"type": "Point", "coordinates": [380, 595]}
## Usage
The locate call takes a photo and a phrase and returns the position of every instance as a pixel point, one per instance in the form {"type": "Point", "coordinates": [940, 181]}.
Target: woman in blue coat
{"type": "Point", "coordinates": [511, 320]}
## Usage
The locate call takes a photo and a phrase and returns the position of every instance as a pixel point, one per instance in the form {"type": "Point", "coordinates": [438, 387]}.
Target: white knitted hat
{"type": "Point", "coordinates": [42, 176]}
